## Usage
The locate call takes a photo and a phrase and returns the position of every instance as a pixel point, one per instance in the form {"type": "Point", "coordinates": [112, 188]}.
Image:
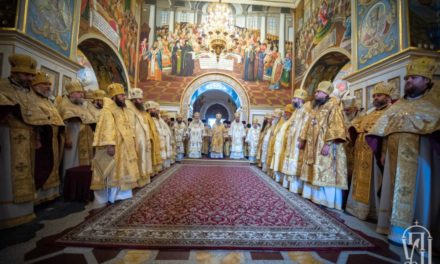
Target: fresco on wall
{"type": "Point", "coordinates": [378, 32]}
{"type": "Point", "coordinates": [424, 24]}
{"type": "Point", "coordinates": [51, 24]}
{"type": "Point", "coordinates": [327, 69]}
{"type": "Point", "coordinates": [104, 62]}
{"type": "Point", "coordinates": [320, 24]}
{"type": "Point", "coordinates": [215, 44]}
{"type": "Point", "coordinates": [86, 75]}
{"type": "Point", "coordinates": [120, 15]}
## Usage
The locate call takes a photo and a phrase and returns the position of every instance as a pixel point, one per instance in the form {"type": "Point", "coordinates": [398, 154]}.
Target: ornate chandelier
{"type": "Point", "coordinates": [219, 25]}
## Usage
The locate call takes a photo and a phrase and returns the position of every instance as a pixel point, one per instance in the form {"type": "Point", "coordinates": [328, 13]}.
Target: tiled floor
{"type": "Point", "coordinates": [38, 248]}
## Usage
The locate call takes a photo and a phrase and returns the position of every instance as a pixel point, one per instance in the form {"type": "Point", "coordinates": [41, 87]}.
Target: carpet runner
{"type": "Point", "coordinates": [215, 207]}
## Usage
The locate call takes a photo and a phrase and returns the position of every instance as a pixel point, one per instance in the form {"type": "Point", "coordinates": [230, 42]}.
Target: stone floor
{"type": "Point", "coordinates": [30, 243]}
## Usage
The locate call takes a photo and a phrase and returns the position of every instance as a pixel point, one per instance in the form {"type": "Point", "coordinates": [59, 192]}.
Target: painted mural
{"type": "Point", "coordinates": [120, 15]}
{"type": "Point", "coordinates": [104, 63]}
{"type": "Point", "coordinates": [378, 31]}
{"type": "Point", "coordinates": [320, 24]}
{"type": "Point", "coordinates": [216, 44]}
{"type": "Point", "coordinates": [330, 67]}
{"type": "Point", "coordinates": [51, 23]}
{"type": "Point", "coordinates": [424, 24]}
{"type": "Point", "coordinates": [86, 75]}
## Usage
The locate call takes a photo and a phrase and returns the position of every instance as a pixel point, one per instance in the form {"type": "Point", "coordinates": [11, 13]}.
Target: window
{"type": "Point", "coordinates": [164, 15]}
{"type": "Point", "coordinates": [252, 22]}
{"type": "Point", "coordinates": [272, 25]}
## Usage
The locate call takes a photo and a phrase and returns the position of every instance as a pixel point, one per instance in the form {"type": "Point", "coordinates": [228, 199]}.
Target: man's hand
{"type": "Point", "coordinates": [325, 150]}
{"type": "Point", "coordinates": [111, 150]}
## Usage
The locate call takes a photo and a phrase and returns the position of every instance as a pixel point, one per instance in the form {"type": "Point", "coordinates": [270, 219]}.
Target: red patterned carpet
{"type": "Point", "coordinates": [197, 206]}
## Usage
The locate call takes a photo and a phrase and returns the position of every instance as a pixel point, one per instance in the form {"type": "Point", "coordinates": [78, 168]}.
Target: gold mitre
{"type": "Point", "coordinates": [301, 94]}
{"type": "Point", "coordinates": [164, 114]}
{"type": "Point", "coordinates": [179, 116]}
{"type": "Point", "coordinates": [196, 114]}
{"type": "Point", "coordinates": [237, 114]}
{"type": "Point", "coordinates": [149, 105]}
{"type": "Point", "coordinates": [23, 63]}
{"type": "Point", "coordinates": [326, 87]}
{"type": "Point", "coordinates": [74, 86]}
{"type": "Point", "coordinates": [99, 94]}
{"type": "Point", "coordinates": [268, 115]}
{"type": "Point", "coordinates": [348, 101]}
{"type": "Point", "coordinates": [89, 94]}
{"type": "Point", "coordinates": [421, 67]}
{"type": "Point", "coordinates": [136, 93]}
{"type": "Point", "coordinates": [218, 115]}
{"type": "Point", "coordinates": [156, 105]}
{"type": "Point", "coordinates": [115, 89]}
{"type": "Point", "coordinates": [277, 113]}
{"type": "Point", "coordinates": [41, 77]}
{"type": "Point", "coordinates": [288, 108]}
{"type": "Point", "coordinates": [254, 121]}
{"type": "Point", "coordinates": [382, 88]}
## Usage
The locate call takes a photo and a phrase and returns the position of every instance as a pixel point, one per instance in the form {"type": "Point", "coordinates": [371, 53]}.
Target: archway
{"type": "Point", "coordinates": [215, 82]}
{"type": "Point", "coordinates": [105, 61]}
{"type": "Point", "coordinates": [325, 68]}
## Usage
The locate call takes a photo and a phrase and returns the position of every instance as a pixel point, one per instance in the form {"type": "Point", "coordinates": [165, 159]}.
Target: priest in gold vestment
{"type": "Point", "coordinates": [17, 142]}
{"type": "Point", "coordinates": [179, 129]}
{"type": "Point", "coordinates": [411, 129]}
{"type": "Point", "coordinates": [169, 138]}
{"type": "Point", "coordinates": [78, 149]}
{"type": "Point", "coordinates": [156, 142]}
{"type": "Point", "coordinates": [269, 141]}
{"type": "Point", "coordinates": [279, 146]}
{"type": "Point", "coordinates": [217, 140]}
{"type": "Point", "coordinates": [266, 125]}
{"type": "Point", "coordinates": [324, 169]}
{"type": "Point", "coordinates": [363, 199]}
{"type": "Point", "coordinates": [49, 126]}
{"type": "Point", "coordinates": [136, 114]}
{"type": "Point", "coordinates": [292, 161]}
{"type": "Point", "coordinates": [115, 166]}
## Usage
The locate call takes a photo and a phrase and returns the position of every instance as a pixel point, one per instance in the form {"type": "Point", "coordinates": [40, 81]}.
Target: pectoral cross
{"type": "Point", "coordinates": [19, 138]}
{"type": "Point", "coordinates": [21, 167]}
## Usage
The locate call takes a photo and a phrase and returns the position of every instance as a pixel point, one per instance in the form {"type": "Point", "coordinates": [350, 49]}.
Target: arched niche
{"type": "Point", "coordinates": [325, 68]}
{"type": "Point", "coordinates": [215, 81]}
{"type": "Point", "coordinates": [105, 60]}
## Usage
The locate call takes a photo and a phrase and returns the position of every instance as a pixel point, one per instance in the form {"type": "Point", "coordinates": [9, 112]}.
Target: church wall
{"type": "Point", "coordinates": [50, 39]}
{"type": "Point", "coordinates": [119, 23]}
{"type": "Point", "coordinates": [319, 25]}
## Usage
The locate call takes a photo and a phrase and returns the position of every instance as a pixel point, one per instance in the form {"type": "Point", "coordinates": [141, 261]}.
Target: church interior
{"type": "Point", "coordinates": [186, 131]}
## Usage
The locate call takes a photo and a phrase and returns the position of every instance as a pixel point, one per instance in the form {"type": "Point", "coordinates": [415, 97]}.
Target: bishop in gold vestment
{"type": "Point", "coordinates": [156, 156]}
{"type": "Point", "coordinates": [363, 200]}
{"type": "Point", "coordinates": [292, 161]}
{"type": "Point", "coordinates": [279, 147]}
{"type": "Point", "coordinates": [17, 142]}
{"type": "Point", "coordinates": [179, 129]}
{"type": "Point", "coordinates": [115, 166]}
{"type": "Point", "coordinates": [411, 128]}
{"type": "Point", "coordinates": [324, 169]}
{"type": "Point", "coordinates": [136, 114]}
{"type": "Point", "coordinates": [218, 132]}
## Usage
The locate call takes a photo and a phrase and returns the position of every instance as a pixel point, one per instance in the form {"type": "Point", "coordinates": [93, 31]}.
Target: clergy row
{"type": "Point", "coordinates": [223, 139]}
{"type": "Point", "coordinates": [124, 141]}
{"type": "Point", "coordinates": [387, 161]}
